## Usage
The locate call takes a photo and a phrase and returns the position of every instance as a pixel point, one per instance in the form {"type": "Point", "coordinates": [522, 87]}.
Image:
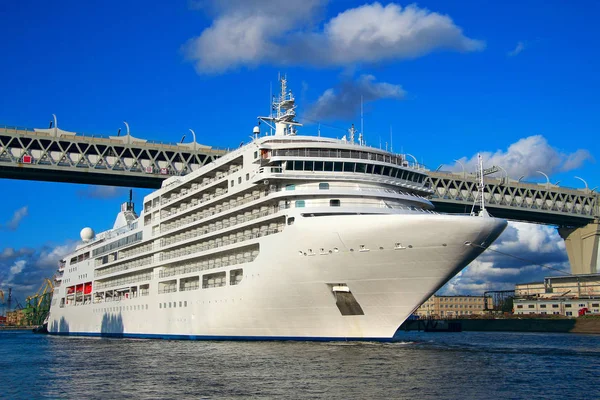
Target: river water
{"type": "Point", "coordinates": [471, 365]}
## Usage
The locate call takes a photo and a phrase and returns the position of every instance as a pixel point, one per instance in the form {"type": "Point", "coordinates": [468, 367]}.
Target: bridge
{"type": "Point", "coordinates": [61, 156]}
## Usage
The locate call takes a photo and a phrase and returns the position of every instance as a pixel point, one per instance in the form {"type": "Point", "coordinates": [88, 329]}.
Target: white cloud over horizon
{"type": "Point", "coordinates": [253, 32]}
{"type": "Point", "coordinates": [541, 251]}
{"type": "Point", "coordinates": [24, 269]}
{"type": "Point", "coordinates": [527, 156]}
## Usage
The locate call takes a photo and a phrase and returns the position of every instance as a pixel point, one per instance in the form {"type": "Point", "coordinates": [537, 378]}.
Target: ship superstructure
{"type": "Point", "coordinates": [289, 236]}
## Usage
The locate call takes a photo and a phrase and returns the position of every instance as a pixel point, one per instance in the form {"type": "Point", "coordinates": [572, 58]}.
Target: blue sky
{"type": "Point", "coordinates": [476, 76]}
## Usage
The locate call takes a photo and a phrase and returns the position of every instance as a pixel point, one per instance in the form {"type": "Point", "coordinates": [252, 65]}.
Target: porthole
{"type": "Point", "coordinates": [410, 246]}
{"type": "Point", "coordinates": [336, 249]}
{"type": "Point", "coordinates": [380, 248]}
{"type": "Point", "coordinates": [444, 244]}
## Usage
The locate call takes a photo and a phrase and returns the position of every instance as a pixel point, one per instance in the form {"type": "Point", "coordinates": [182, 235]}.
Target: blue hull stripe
{"type": "Point", "coordinates": [208, 337]}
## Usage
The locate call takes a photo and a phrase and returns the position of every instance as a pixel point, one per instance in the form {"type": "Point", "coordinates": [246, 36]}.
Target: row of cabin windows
{"type": "Point", "coordinates": [80, 257]}
{"type": "Point", "coordinates": [361, 168]}
{"type": "Point", "coordinates": [136, 237]}
{"type": "Point", "coordinates": [322, 186]}
{"type": "Point", "coordinates": [240, 180]}
{"type": "Point", "coordinates": [332, 203]}
{"type": "Point", "coordinates": [336, 153]}
{"type": "Point", "coordinates": [554, 305]}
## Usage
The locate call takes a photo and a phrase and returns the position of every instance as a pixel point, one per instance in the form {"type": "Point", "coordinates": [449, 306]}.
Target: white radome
{"type": "Point", "coordinates": [87, 234]}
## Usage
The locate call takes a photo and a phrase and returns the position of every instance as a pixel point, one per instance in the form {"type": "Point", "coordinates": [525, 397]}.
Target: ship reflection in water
{"type": "Point", "coordinates": [420, 365]}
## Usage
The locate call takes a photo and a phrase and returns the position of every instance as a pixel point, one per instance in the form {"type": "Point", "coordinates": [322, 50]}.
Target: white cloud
{"type": "Point", "coordinates": [518, 49]}
{"type": "Point", "coordinates": [24, 269]}
{"type": "Point", "coordinates": [344, 100]}
{"type": "Point", "coordinates": [541, 251]}
{"type": "Point", "coordinates": [249, 33]}
{"type": "Point", "coordinates": [16, 219]}
{"type": "Point", "coordinates": [527, 156]}
{"type": "Point", "coordinates": [102, 192]}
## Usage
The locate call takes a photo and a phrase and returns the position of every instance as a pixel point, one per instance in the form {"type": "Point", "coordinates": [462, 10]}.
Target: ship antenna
{"type": "Point", "coordinates": [391, 140]}
{"type": "Point", "coordinates": [362, 119]}
{"type": "Point", "coordinates": [481, 187]}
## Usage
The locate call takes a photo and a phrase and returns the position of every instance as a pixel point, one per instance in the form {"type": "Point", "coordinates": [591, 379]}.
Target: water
{"type": "Point", "coordinates": [474, 365]}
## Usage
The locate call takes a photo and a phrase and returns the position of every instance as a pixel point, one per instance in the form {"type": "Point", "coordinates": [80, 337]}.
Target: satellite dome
{"type": "Point", "coordinates": [87, 234]}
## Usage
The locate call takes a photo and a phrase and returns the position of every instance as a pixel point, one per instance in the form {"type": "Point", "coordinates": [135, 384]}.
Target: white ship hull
{"type": "Point", "coordinates": [286, 294]}
{"type": "Point", "coordinates": [287, 237]}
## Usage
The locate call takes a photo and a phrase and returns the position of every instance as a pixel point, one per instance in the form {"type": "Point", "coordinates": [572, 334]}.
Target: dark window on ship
{"type": "Point", "coordinates": [240, 179]}
{"type": "Point", "coordinates": [349, 167]}
{"type": "Point", "coordinates": [291, 220]}
{"type": "Point", "coordinates": [318, 165]}
{"type": "Point", "coordinates": [323, 186]}
{"type": "Point", "coordinates": [299, 203]}
{"type": "Point", "coordinates": [298, 165]}
{"type": "Point", "coordinates": [386, 171]}
{"type": "Point", "coordinates": [337, 166]}
{"type": "Point", "coordinates": [308, 165]}
{"type": "Point", "coordinates": [247, 177]}
{"type": "Point", "coordinates": [328, 166]}
{"type": "Point", "coordinates": [377, 169]}
{"type": "Point", "coordinates": [290, 187]}
{"type": "Point", "coordinates": [289, 165]}
{"type": "Point", "coordinates": [361, 168]}
{"type": "Point", "coordinates": [256, 154]}
{"type": "Point", "coordinates": [185, 303]}
{"type": "Point", "coordinates": [232, 182]}
{"type": "Point", "coordinates": [334, 203]}
{"type": "Point", "coordinates": [369, 168]}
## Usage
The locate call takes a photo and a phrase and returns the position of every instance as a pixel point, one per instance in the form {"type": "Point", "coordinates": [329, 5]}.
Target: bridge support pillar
{"type": "Point", "coordinates": [583, 247]}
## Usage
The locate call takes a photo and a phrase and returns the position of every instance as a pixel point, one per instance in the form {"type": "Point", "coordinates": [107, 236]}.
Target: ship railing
{"type": "Point", "coordinates": [167, 290]}
{"type": "Point", "coordinates": [191, 287]}
{"type": "Point", "coordinates": [167, 214]}
{"type": "Point", "coordinates": [202, 230]}
{"type": "Point", "coordinates": [197, 186]}
{"type": "Point", "coordinates": [207, 213]}
{"type": "Point", "coordinates": [213, 285]}
{"type": "Point", "coordinates": [204, 266]}
{"type": "Point", "coordinates": [242, 238]}
{"type": "Point", "coordinates": [123, 281]}
{"type": "Point", "coordinates": [125, 266]}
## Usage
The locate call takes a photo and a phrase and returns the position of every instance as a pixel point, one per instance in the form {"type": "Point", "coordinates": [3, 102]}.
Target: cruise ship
{"type": "Point", "coordinates": [289, 237]}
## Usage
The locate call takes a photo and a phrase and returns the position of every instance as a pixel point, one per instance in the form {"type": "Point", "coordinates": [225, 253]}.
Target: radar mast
{"type": "Point", "coordinates": [284, 107]}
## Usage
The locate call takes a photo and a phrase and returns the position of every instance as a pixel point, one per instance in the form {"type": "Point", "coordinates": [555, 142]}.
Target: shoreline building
{"type": "Point", "coordinates": [569, 296]}
{"type": "Point", "coordinates": [454, 306]}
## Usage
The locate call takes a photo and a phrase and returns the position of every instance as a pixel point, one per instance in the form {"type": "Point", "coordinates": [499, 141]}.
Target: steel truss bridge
{"type": "Point", "coordinates": [60, 156]}
{"type": "Point", "coordinates": [515, 200]}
